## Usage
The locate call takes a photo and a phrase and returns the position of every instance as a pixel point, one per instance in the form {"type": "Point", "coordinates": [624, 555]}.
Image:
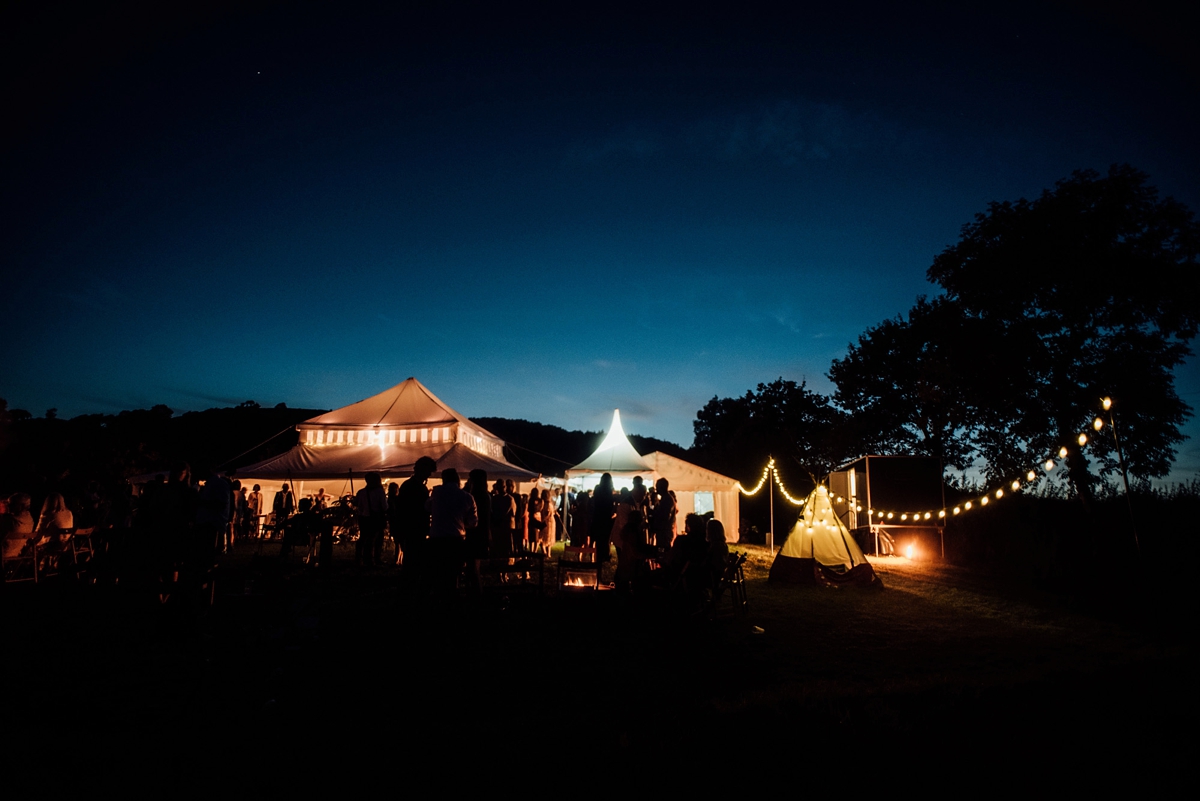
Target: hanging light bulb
{"type": "Point", "coordinates": [1016, 485]}
{"type": "Point", "coordinates": [942, 513]}
{"type": "Point", "coordinates": [1049, 465]}
{"type": "Point", "coordinates": [904, 516]}
{"type": "Point", "coordinates": [1030, 476]}
{"type": "Point", "coordinates": [983, 501]}
{"type": "Point", "coordinates": [1082, 440]}
{"type": "Point", "coordinates": [927, 515]}
{"type": "Point", "coordinates": [967, 506]}
{"type": "Point", "coordinates": [889, 515]}
{"type": "Point", "coordinates": [1062, 453]}
{"type": "Point", "coordinates": [999, 494]}
{"type": "Point", "coordinates": [957, 510]}
{"type": "Point", "coordinates": [1097, 424]}
{"type": "Point", "coordinates": [1107, 403]}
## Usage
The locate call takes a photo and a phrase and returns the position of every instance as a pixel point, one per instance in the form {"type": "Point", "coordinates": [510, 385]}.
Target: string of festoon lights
{"type": "Point", "coordinates": [1030, 478]}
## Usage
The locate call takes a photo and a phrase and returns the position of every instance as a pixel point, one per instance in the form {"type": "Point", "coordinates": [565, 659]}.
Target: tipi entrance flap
{"type": "Point", "coordinates": [819, 534]}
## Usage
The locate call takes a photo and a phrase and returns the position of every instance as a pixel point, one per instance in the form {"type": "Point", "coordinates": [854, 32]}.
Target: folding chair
{"type": "Point", "coordinates": [733, 584]}
{"type": "Point", "coordinates": [23, 567]}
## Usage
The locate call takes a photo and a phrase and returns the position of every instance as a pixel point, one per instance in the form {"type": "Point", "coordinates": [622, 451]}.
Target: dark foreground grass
{"type": "Point", "coordinates": [293, 675]}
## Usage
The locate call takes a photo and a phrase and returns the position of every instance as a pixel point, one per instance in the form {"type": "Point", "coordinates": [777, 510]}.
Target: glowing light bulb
{"type": "Point", "coordinates": [957, 510]}
{"type": "Point", "coordinates": [904, 516]}
{"type": "Point", "coordinates": [967, 506]}
{"type": "Point", "coordinates": [1082, 440]}
{"type": "Point", "coordinates": [1030, 476]}
{"type": "Point", "coordinates": [1097, 424]}
{"type": "Point", "coordinates": [1049, 464]}
{"type": "Point", "coordinates": [999, 494]}
{"type": "Point", "coordinates": [928, 515]}
{"type": "Point", "coordinates": [889, 515]}
{"type": "Point", "coordinates": [1016, 485]}
{"type": "Point", "coordinates": [1107, 403]}
{"type": "Point", "coordinates": [983, 501]}
{"type": "Point", "coordinates": [1062, 453]}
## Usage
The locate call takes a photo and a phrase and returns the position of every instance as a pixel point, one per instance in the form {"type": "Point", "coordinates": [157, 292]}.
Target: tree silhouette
{"type": "Point", "coordinates": [905, 384]}
{"type": "Point", "coordinates": [1090, 290]}
{"type": "Point", "coordinates": [799, 427]}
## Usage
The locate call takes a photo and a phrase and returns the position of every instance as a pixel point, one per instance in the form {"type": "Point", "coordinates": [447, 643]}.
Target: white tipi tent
{"type": "Point", "coordinates": [820, 549]}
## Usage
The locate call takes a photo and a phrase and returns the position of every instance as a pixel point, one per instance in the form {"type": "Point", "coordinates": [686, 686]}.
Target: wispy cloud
{"type": "Point", "coordinates": [790, 131]}
{"type": "Point", "coordinates": [635, 142]}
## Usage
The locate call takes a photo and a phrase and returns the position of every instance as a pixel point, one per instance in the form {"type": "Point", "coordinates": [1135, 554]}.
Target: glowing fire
{"type": "Point", "coordinates": [576, 581]}
{"type": "Point", "coordinates": [908, 552]}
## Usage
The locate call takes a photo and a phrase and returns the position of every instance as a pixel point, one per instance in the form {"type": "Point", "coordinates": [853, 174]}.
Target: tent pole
{"type": "Point", "coordinates": [771, 491]}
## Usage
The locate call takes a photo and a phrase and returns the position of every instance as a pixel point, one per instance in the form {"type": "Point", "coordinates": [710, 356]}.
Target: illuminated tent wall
{"type": "Point", "coordinates": [385, 433]}
{"type": "Point", "coordinates": [820, 550]}
{"type": "Point", "coordinates": [696, 489]}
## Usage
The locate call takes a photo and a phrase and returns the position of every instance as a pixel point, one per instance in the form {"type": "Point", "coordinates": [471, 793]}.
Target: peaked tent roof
{"type": "Point", "coordinates": [408, 403]}
{"type": "Point", "coordinates": [820, 545]}
{"type": "Point", "coordinates": [615, 454]}
{"type": "Point", "coordinates": [308, 462]}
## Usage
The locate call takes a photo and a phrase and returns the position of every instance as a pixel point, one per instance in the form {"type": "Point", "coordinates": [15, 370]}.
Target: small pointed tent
{"type": "Point", "coordinates": [615, 456]}
{"type": "Point", "coordinates": [696, 489]}
{"type": "Point", "coordinates": [387, 433]}
{"type": "Point", "coordinates": [820, 550]}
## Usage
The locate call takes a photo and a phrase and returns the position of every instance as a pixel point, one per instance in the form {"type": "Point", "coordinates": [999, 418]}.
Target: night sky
{"type": "Point", "coordinates": [539, 213]}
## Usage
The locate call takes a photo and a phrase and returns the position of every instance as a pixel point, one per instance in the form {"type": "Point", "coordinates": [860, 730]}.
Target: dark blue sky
{"type": "Point", "coordinates": [539, 214]}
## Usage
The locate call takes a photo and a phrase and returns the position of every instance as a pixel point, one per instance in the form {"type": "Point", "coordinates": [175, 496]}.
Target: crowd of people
{"type": "Point", "coordinates": [440, 533]}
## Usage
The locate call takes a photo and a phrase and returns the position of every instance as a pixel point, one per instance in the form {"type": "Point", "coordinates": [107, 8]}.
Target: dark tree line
{"type": "Point", "coordinates": [39, 455]}
{"type": "Point", "coordinates": [1090, 290]}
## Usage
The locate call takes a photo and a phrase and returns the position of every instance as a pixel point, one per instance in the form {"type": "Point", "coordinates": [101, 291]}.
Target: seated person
{"type": "Point", "coordinates": [16, 525]}
{"type": "Point", "coordinates": [718, 553]}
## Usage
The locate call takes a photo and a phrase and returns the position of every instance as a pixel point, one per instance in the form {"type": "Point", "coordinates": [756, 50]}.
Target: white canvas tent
{"type": "Point", "coordinates": [820, 549]}
{"type": "Point", "coordinates": [385, 433]}
{"type": "Point", "coordinates": [696, 489]}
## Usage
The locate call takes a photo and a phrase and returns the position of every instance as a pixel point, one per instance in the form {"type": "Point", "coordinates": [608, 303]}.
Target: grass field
{"type": "Point", "coordinates": [941, 662]}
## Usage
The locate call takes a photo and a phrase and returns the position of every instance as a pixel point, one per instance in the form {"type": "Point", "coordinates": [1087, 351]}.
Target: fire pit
{"type": "Point", "coordinates": [578, 571]}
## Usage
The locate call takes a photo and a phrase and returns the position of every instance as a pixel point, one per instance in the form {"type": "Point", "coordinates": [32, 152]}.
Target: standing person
{"type": "Point", "coordinates": [451, 512]}
{"type": "Point", "coordinates": [581, 519]}
{"type": "Point", "coordinates": [284, 505]}
{"type": "Point", "coordinates": [504, 522]}
{"type": "Point", "coordinates": [394, 524]}
{"type": "Point", "coordinates": [602, 516]}
{"type": "Point", "coordinates": [370, 506]}
{"type": "Point", "coordinates": [662, 516]}
{"type": "Point", "coordinates": [479, 536]}
{"type": "Point", "coordinates": [549, 533]}
{"type": "Point", "coordinates": [413, 518]}
{"type": "Point", "coordinates": [533, 518]}
{"type": "Point", "coordinates": [243, 521]}
{"type": "Point", "coordinates": [254, 510]}
{"type": "Point", "coordinates": [321, 500]}
{"type": "Point", "coordinates": [236, 512]}
{"type": "Point", "coordinates": [213, 512]}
